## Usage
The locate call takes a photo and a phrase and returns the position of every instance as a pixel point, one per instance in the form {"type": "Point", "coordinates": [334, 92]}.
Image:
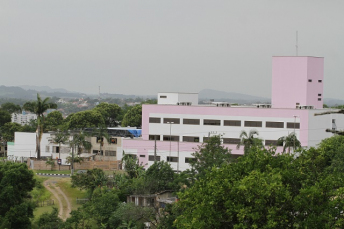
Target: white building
{"type": "Point", "coordinates": [23, 118]}
{"type": "Point", "coordinates": [180, 125]}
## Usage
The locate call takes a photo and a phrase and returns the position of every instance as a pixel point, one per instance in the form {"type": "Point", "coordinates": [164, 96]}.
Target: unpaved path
{"type": "Point", "coordinates": [55, 190]}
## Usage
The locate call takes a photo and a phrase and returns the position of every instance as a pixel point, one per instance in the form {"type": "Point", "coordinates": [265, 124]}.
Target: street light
{"type": "Point", "coordinates": [294, 131]}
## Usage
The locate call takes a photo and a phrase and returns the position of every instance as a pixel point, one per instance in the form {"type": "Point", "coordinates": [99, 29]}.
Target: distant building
{"type": "Point", "coordinates": [23, 118]}
{"type": "Point", "coordinates": [179, 125]}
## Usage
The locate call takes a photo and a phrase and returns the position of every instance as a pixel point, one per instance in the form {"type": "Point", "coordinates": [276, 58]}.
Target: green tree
{"type": "Point", "coordinates": [96, 212]}
{"type": "Point", "coordinates": [5, 117]}
{"type": "Point", "coordinates": [90, 180]}
{"type": "Point", "coordinates": [249, 140]}
{"type": "Point", "coordinates": [110, 113]}
{"type": "Point", "coordinates": [133, 117]}
{"type": "Point", "coordinates": [49, 220]}
{"type": "Point", "coordinates": [84, 119]}
{"type": "Point", "coordinates": [266, 190]}
{"type": "Point", "coordinates": [289, 141]}
{"type": "Point", "coordinates": [132, 166]}
{"type": "Point", "coordinates": [16, 181]}
{"type": "Point", "coordinates": [8, 130]}
{"type": "Point", "coordinates": [39, 107]}
{"type": "Point", "coordinates": [11, 107]}
{"type": "Point", "coordinates": [53, 121]}
{"type": "Point", "coordinates": [210, 154]}
{"type": "Point", "coordinates": [160, 176]}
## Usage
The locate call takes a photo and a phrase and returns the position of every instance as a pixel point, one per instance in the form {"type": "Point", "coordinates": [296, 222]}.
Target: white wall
{"type": "Point", "coordinates": [174, 98]}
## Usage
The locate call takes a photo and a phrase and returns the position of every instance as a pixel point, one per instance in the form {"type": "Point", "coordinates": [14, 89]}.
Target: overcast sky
{"type": "Point", "coordinates": [149, 46]}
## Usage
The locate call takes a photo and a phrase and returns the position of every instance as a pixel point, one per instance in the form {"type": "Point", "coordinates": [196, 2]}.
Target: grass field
{"type": "Point", "coordinates": [72, 193]}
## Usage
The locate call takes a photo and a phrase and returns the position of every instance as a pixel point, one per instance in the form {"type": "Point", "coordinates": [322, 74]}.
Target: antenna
{"type": "Point", "coordinates": [99, 94]}
{"type": "Point", "coordinates": [297, 43]}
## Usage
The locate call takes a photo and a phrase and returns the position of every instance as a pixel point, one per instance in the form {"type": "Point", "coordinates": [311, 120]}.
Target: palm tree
{"type": "Point", "coordinates": [60, 138]}
{"type": "Point", "coordinates": [101, 133]}
{"type": "Point", "coordinates": [289, 141]}
{"type": "Point", "coordinates": [249, 140]}
{"type": "Point", "coordinates": [39, 107]}
{"type": "Point", "coordinates": [77, 142]}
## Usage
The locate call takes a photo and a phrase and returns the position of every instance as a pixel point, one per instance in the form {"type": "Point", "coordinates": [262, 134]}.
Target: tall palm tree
{"type": "Point", "coordinates": [60, 138]}
{"type": "Point", "coordinates": [77, 142]}
{"type": "Point", "coordinates": [248, 140]}
{"type": "Point", "coordinates": [38, 107]}
{"type": "Point", "coordinates": [289, 141]}
{"type": "Point", "coordinates": [100, 133]}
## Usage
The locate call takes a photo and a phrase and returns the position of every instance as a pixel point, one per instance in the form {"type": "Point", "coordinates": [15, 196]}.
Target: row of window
{"type": "Point", "coordinates": [169, 159]}
{"type": "Point", "coordinates": [234, 141]}
{"type": "Point", "coordinates": [213, 122]}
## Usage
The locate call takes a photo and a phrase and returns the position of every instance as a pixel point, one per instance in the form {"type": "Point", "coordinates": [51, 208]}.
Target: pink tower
{"type": "Point", "coordinates": [297, 81]}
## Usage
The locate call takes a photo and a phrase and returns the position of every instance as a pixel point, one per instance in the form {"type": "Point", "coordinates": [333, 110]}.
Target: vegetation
{"type": "Point", "coordinates": [16, 181]}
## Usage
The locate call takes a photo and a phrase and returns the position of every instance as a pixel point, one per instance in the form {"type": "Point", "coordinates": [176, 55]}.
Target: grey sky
{"type": "Point", "coordinates": [145, 47]}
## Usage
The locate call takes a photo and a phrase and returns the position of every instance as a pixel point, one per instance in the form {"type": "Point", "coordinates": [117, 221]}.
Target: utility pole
{"type": "Point", "coordinates": [294, 131]}
{"type": "Point", "coordinates": [154, 148]}
{"type": "Point", "coordinates": [178, 158]}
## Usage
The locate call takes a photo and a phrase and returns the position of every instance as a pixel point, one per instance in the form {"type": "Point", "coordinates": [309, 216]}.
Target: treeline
{"type": "Point", "coordinates": [261, 189]}
{"type": "Point", "coordinates": [102, 115]}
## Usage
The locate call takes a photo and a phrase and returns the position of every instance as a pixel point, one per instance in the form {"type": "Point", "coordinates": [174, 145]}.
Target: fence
{"type": "Point", "coordinates": [81, 201]}
{"type": "Point", "coordinates": [44, 203]}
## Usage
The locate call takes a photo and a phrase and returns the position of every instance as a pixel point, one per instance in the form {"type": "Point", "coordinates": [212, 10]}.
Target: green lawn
{"type": "Point", "coordinates": [72, 193]}
{"type": "Point", "coordinates": [52, 171]}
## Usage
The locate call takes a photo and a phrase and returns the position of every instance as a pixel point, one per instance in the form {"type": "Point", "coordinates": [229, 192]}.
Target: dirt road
{"type": "Point", "coordinates": [64, 204]}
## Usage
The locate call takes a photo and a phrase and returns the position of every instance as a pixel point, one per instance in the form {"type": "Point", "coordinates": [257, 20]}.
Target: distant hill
{"type": "Point", "coordinates": [44, 88]}
{"type": "Point", "coordinates": [232, 97]}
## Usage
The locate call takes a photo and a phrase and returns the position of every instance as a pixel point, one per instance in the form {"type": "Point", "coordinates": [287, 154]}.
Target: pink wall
{"type": "Point", "coordinates": [290, 81]}
{"type": "Point", "coordinates": [316, 73]}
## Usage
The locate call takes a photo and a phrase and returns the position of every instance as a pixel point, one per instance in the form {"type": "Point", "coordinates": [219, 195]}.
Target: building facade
{"type": "Point", "coordinates": [174, 131]}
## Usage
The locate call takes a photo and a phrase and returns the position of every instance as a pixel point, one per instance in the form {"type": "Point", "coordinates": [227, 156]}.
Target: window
{"type": "Point", "coordinates": [189, 159]}
{"type": "Point", "coordinates": [234, 141]}
{"type": "Point", "coordinates": [253, 123]}
{"type": "Point", "coordinates": [211, 122]}
{"type": "Point", "coordinates": [292, 125]}
{"type": "Point", "coordinates": [319, 81]}
{"type": "Point", "coordinates": [170, 120]}
{"type": "Point", "coordinates": [95, 151]}
{"type": "Point", "coordinates": [57, 149]}
{"type": "Point", "coordinates": [142, 155]}
{"type": "Point", "coordinates": [187, 121]}
{"type": "Point", "coordinates": [273, 143]}
{"type": "Point", "coordinates": [110, 153]}
{"type": "Point", "coordinates": [163, 96]}
{"type": "Point", "coordinates": [232, 123]}
{"type": "Point", "coordinates": [151, 158]}
{"type": "Point", "coordinates": [333, 121]}
{"type": "Point", "coordinates": [309, 80]}
{"type": "Point", "coordinates": [319, 94]}
{"type": "Point", "coordinates": [319, 99]}
{"type": "Point", "coordinates": [205, 139]}
{"type": "Point", "coordinates": [47, 148]}
{"type": "Point", "coordinates": [172, 159]}
{"type": "Point", "coordinates": [99, 140]}
{"type": "Point", "coordinates": [190, 139]}
{"type": "Point", "coordinates": [172, 138]}
{"type": "Point", "coordinates": [154, 120]}
{"type": "Point", "coordinates": [274, 124]}
{"type": "Point", "coordinates": [113, 140]}
{"type": "Point", "coordinates": [154, 137]}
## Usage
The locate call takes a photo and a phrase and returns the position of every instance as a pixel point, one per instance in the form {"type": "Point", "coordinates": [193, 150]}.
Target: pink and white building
{"type": "Point", "coordinates": [179, 124]}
